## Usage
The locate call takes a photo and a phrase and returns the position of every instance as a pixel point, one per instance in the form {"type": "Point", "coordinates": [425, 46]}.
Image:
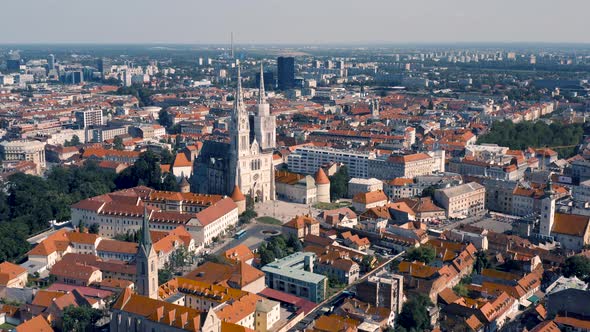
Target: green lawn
{"type": "Point", "coordinates": [331, 206]}
{"type": "Point", "coordinates": [269, 220]}
{"type": "Point", "coordinates": [7, 327]}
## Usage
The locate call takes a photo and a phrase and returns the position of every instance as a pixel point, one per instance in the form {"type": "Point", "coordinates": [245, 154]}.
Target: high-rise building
{"type": "Point", "coordinates": [264, 123]}
{"type": "Point", "coordinates": [87, 118]}
{"type": "Point", "coordinates": [103, 66]}
{"type": "Point", "coordinates": [13, 62]}
{"type": "Point", "coordinates": [286, 72]}
{"type": "Point", "coordinates": [51, 62]}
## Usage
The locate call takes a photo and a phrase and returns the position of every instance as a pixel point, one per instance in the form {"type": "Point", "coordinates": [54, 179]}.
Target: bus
{"type": "Point", "coordinates": [240, 234]}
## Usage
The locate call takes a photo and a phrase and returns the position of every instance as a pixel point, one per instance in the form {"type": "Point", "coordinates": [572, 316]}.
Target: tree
{"type": "Point", "coordinates": [578, 266]}
{"type": "Point", "coordinates": [118, 143]}
{"type": "Point", "coordinates": [424, 254]}
{"type": "Point", "coordinates": [267, 257]}
{"type": "Point", "coordinates": [94, 228]}
{"type": "Point", "coordinates": [165, 119]}
{"type": "Point", "coordinates": [339, 183]}
{"type": "Point", "coordinates": [428, 192]}
{"type": "Point", "coordinates": [74, 142]}
{"type": "Point", "coordinates": [538, 134]}
{"type": "Point", "coordinates": [461, 290]}
{"type": "Point", "coordinates": [247, 216]}
{"type": "Point", "coordinates": [78, 319]}
{"type": "Point", "coordinates": [164, 275]}
{"type": "Point", "coordinates": [145, 171]}
{"type": "Point", "coordinates": [170, 183]}
{"type": "Point", "coordinates": [414, 315]}
{"type": "Point", "coordinates": [166, 157]}
{"type": "Point", "coordinates": [367, 263]}
{"type": "Point", "coordinates": [481, 261]}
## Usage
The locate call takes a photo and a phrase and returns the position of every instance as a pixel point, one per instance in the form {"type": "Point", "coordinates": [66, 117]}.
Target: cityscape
{"type": "Point", "coordinates": [225, 184]}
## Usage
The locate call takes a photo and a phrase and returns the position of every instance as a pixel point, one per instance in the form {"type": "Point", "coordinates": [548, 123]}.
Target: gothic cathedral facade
{"type": "Point", "coordinates": [251, 164]}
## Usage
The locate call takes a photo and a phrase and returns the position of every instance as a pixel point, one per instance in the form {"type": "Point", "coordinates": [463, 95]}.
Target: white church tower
{"type": "Point", "coordinates": [264, 124]}
{"type": "Point", "coordinates": [547, 210]}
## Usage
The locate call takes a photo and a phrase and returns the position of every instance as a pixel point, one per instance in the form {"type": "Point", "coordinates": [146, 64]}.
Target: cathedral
{"type": "Point", "coordinates": [246, 162]}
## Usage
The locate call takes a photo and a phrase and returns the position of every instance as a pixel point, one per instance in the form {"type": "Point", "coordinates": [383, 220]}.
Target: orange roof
{"type": "Point", "coordinates": [409, 158]}
{"type": "Point", "coordinates": [400, 182]}
{"type": "Point", "coordinates": [335, 323]}
{"type": "Point", "coordinates": [299, 222]}
{"type": "Point", "coordinates": [239, 253]}
{"type": "Point", "coordinates": [181, 161]}
{"type": "Point", "coordinates": [321, 178]}
{"type": "Point", "coordinates": [546, 326]}
{"type": "Point", "coordinates": [573, 322]}
{"type": "Point", "coordinates": [84, 238]}
{"type": "Point", "coordinates": [370, 197]}
{"type": "Point", "coordinates": [57, 241]}
{"type": "Point", "coordinates": [571, 224]}
{"type": "Point", "coordinates": [117, 246]}
{"type": "Point", "coordinates": [9, 271]}
{"type": "Point", "coordinates": [36, 324]}
{"type": "Point", "coordinates": [237, 195]}
{"type": "Point", "coordinates": [44, 298]}
{"type": "Point", "coordinates": [162, 312]}
{"type": "Point", "coordinates": [216, 211]}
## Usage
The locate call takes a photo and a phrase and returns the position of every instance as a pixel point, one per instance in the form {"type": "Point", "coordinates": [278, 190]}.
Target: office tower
{"type": "Point", "coordinates": [51, 62]}
{"type": "Point", "coordinates": [286, 72]}
{"type": "Point", "coordinates": [89, 118]}
{"type": "Point", "coordinates": [13, 62]}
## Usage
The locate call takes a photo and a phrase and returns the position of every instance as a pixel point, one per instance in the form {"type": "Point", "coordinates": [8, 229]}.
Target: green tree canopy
{"type": "Point", "coordinates": [538, 134]}
{"type": "Point", "coordinates": [425, 254]}
{"type": "Point", "coordinates": [80, 319]}
{"type": "Point", "coordinates": [118, 143]}
{"type": "Point", "coordinates": [339, 183]}
{"type": "Point", "coordinates": [578, 266]}
{"type": "Point", "coordinates": [414, 315]}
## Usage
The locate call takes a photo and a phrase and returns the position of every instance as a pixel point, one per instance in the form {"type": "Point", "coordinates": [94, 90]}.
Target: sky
{"type": "Point", "coordinates": [293, 21]}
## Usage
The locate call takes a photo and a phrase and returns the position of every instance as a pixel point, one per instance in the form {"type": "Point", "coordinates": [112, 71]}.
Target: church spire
{"type": "Point", "coordinates": [261, 92]}
{"type": "Point", "coordinates": [239, 102]}
{"type": "Point", "coordinates": [146, 239]}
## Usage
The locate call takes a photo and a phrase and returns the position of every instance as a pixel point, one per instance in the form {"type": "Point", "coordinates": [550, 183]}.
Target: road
{"type": "Point", "coordinates": [253, 238]}
{"type": "Point", "coordinates": [317, 311]}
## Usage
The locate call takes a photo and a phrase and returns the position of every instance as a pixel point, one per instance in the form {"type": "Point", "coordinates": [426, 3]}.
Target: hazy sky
{"type": "Point", "coordinates": [293, 21]}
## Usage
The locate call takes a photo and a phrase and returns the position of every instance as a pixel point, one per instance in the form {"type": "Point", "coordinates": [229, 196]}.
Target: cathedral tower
{"type": "Point", "coordinates": [264, 124]}
{"type": "Point", "coordinates": [146, 262]}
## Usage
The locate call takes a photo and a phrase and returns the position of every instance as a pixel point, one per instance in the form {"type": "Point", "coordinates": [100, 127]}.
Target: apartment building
{"type": "Point", "coordinates": [406, 166]}
{"type": "Point", "coordinates": [308, 159]}
{"type": "Point", "coordinates": [463, 200]}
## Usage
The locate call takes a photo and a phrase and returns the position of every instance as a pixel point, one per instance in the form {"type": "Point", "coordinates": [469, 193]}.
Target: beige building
{"type": "Point", "coordinates": [300, 226]}
{"type": "Point", "coordinates": [12, 275]}
{"type": "Point", "coordinates": [295, 187]}
{"type": "Point", "coordinates": [463, 200]}
{"type": "Point", "coordinates": [364, 201]}
{"type": "Point", "coordinates": [405, 166]}
{"type": "Point", "coordinates": [24, 150]}
{"type": "Point", "coordinates": [357, 186]}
